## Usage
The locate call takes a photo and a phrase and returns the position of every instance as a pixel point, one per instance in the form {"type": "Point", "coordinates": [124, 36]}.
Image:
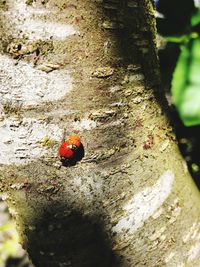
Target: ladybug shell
{"type": "Point", "coordinates": [74, 140]}
{"type": "Point", "coordinates": [65, 151]}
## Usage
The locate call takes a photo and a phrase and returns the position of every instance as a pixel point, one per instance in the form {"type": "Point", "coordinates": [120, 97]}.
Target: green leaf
{"type": "Point", "coordinates": [177, 38]}
{"type": "Point", "coordinates": [182, 38]}
{"type": "Point", "coordinates": [195, 19]}
{"type": "Point", "coordinates": [186, 83]}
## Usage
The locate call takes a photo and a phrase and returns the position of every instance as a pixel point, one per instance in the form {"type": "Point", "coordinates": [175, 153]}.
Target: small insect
{"type": "Point", "coordinates": [71, 149]}
{"type": "Point", "coordinates": [67, 150]}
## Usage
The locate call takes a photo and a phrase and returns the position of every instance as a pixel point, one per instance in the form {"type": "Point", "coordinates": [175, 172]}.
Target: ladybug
{"type": "Point", "coordinates": [66, 150]}
{"type": "Point", "coordinates": [70, 148]}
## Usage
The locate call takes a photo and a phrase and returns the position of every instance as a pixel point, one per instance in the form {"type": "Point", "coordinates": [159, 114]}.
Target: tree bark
{"type": "Point", "coordinates": [90, 68]}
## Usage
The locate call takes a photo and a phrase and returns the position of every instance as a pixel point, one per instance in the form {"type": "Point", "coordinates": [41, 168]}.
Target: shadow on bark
{"type": "Point", "coordinates": [129, 23]}
{"type": "Point", "coordinates": [69, 240]}
{"type": "Point", "coordinates": [134, 32]}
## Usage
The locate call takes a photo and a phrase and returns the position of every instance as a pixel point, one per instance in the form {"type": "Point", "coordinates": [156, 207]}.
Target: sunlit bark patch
{"type": "Point", "coordinates": [22, 83]}
{"type": "Point", "coordinates": [194, 252]}
{"type": "Point", "coordinates": [22, 140]}
{"type": "Point", "coordinates": [38, 29]}
{"type": "Point", "coordinates": [170, 257]}
{"type": "Point", "coordinates": [144, 204]}
{"type": "Point", "coordinates": [25, 23]}
{"type": "Point", "coordinates": [84, 124]}
{"type": "Point", "coordinates": [192, 233]}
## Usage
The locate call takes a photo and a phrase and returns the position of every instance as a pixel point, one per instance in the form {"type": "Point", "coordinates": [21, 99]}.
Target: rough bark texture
{"type": "Point", "coordinates": [130, 201]}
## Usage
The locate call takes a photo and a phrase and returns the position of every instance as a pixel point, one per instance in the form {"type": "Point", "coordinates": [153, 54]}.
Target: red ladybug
{"type": "Point", "coordinates": [70, 148]}
{"type": "Point", "coordinates": [67, 150]}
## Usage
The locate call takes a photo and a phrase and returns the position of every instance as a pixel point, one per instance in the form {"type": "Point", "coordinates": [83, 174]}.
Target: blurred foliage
{"type": "Point", "coordinates": [8, 239]}
{"type": "Point", "coordinates": [9, 247]}
{"type": "Point", "coordinates": [195, 20]}
{"type": "Point", "coordinates": [186, 78]}
{"type": "Point", "coordinates": [179, 34]}
{"type": "Point", "coordinates": [185, 85]}
{"type": "Point", "coordinates": [11, 252]}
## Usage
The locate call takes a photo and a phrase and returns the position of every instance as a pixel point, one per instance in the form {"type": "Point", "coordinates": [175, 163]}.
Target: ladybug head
{"type": "Point", "coordinates": [75, 140]}
{"type": "Point", "coordinates": [72, 147]}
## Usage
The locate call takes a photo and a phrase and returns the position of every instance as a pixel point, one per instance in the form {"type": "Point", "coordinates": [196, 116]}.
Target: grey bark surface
{"type": "Point", "coordinates": [130, 201]}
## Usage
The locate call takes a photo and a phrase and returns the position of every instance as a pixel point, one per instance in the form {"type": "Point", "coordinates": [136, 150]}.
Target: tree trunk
{"type": "Point", "coordinates": [90, 68]}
